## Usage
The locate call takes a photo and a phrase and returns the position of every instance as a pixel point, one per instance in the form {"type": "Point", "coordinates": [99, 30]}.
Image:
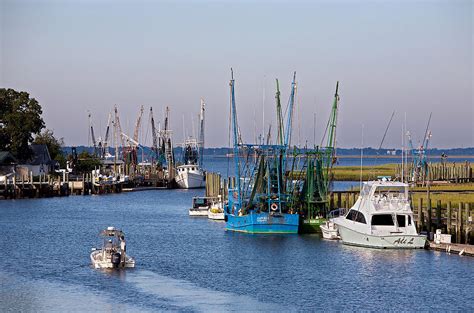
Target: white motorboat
{"type": "Point", "coordinates": [329, 230]}
{"type": "Point", "coordinates": [216, 210]}
{"type": "Point", "coordinates": [381, 218]}
{"type": "Point", "coordinates": [113, 252]}
{"type": "Point", "coordinates": [200, 206]}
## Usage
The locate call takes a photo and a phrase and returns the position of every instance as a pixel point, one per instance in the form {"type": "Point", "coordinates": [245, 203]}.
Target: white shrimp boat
{"type": "Point", "coordinates": [113, 252]}
{"type": "Point", "coordinates": [191, 173]}
{"type": "Point", "coordinates": [381, 218]}
{"type": "Point", "coordinates": [190, 176]}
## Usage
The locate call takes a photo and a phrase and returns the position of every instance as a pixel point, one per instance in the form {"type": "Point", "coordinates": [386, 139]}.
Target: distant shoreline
{"type": "Point", "coordinates": [367, 156]}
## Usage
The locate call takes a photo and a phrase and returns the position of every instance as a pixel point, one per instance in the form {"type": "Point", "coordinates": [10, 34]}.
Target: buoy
{"type": "Point", "coordinates": [461, 252]}
{"type": "Point", "coordinates": [274, 206]}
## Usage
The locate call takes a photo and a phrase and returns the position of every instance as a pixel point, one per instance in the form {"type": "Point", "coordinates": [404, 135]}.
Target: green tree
{"type": "Point", "coordinates": [54, 145]}
{"type": "Point", "coordinates": [87, 162]}
{"type": "Point", "coordinates": [20, 119]}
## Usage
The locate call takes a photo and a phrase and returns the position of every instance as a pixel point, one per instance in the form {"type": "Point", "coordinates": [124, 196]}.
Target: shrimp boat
{"type": "Point", "coordinates": [261, 204]}
{"type": "Point", "coordinates": [316, 176]}
{"type": "Point", "coordinates": [191, 173]}
{"type": "Point", "coordinates": [381, 218]}
{"type": "Point", "coordinates": [113, 252]}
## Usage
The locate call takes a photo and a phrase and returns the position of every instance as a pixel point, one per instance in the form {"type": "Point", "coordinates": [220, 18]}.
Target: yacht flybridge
{"type": "Point", "coordinates": [381, 218]}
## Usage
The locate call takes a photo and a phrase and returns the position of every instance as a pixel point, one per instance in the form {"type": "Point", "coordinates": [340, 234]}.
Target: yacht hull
{"type": "Point", "coordinates": [398, 241]}
{"type": "Point", "coordinates": [263, 223]}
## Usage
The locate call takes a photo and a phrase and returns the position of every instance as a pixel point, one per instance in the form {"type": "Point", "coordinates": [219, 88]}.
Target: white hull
{"type": "Point", "coordinates": [215, 216]}
{"type": "Point", "coordinates": [99, 262]}
{"type": "Point", "coordinates": [401, 241]}
{"type": "Point", "coordinates": [329, 231]}
{"type": "Point", "coordinates": [190, 179]}
{"type": "Point", "coordinates": [202, 211]}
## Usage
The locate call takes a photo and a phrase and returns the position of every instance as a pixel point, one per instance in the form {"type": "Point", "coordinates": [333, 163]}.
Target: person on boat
{"type": "Point", "coordinates": [123, 247]}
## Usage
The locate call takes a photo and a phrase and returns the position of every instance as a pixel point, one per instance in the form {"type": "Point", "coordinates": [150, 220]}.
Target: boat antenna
{"type": "Point", "coordinates": [314, 128]}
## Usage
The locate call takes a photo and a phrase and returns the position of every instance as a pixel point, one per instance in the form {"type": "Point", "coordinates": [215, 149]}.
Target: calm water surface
{"type": "Point", "coordinates": [192, 264]}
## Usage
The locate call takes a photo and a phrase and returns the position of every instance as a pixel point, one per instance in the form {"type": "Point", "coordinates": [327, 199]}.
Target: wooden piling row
{"type": "Point", "coordinates": [453, 172]}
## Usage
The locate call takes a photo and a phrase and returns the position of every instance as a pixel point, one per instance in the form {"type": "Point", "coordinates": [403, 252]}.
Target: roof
{"type": "Point", "coordinates": [7, 158]}
{"type": "Point", "coordinates": [40, 155]}
{"type": "Point", "coordinates": [111, 232]}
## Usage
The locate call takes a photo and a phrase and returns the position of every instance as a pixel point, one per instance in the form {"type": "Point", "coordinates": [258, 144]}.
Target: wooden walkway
{"type": "Point", "coordinates": [454, 248]}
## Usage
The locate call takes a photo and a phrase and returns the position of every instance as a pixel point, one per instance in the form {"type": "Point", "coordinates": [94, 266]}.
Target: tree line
{"type": "Point", "coordinates": [21, 124]}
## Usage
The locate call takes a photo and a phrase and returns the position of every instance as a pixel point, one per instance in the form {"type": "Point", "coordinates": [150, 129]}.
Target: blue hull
{"type": "Point", "coordinates": [263, 223]}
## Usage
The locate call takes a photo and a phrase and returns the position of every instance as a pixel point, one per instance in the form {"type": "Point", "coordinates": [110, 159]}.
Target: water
{"type": "Point", "coordinates": [192, 264]}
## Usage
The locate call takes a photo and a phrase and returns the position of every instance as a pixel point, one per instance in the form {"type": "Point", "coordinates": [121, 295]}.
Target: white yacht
{"type": "Point", "coordinates": [381, 218]}
{"type": "Point", "coordinates": [113, 252]}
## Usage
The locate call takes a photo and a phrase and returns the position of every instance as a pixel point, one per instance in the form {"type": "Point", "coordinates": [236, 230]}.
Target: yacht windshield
{"type": "Point", "coordinates": [382, 220]}
{"type": "Point", "coordinates": [391, 192]}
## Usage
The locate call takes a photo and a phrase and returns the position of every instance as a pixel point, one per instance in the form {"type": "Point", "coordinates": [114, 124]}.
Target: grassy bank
{"type": "Point", "coordinates": [352, 173]}
{"type": "Point", "coordinates": [461, 193]}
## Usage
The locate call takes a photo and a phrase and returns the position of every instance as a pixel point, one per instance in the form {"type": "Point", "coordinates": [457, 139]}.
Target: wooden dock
{"type": "Point", "coordinates": [452, 248]}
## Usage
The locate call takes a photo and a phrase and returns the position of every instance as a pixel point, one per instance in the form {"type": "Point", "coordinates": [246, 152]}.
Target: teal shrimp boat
{"type": "Point", "coordinates": [259, 200]}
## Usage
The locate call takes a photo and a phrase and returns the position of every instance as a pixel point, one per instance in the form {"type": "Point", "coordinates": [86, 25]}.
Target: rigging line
{"type": "Point", "coordinates": [426, 131]}
{"type": "Point", "coordinates": [381, 142]}
{"type": "Point", "coordinates": [386, 130]}
{"type": "Point", "coordinates": [325, 131]}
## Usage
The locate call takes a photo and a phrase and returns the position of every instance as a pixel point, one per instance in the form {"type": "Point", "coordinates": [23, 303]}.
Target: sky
{"type": "Point", "coordinates": [411, 57]}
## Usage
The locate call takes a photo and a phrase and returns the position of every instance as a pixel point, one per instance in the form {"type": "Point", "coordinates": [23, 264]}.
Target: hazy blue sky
{"type": "Point", "coordinates": [408, 56]}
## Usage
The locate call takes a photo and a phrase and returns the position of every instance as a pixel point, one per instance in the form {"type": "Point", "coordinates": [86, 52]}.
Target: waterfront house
{"type": "Point", "coordinates": [40, 162]}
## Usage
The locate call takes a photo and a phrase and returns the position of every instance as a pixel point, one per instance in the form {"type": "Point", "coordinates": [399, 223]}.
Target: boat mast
{"type": "Point", "coordinates": [106, 140]}
{"type": "Point", "coordinates": [331, 141]}
{"type": "Point", "coordinates": [280, 130]}
{"type": "Point", "coordinates": [236, 136]}
{"type": "Point", "coordinates": [201, 133]}
{"type": "Point", "coordinates": [154, 136]}
{"type": "Point", "coordinates": [289, 122]}
{"type": "Point", "coordinates": [290, 112]}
